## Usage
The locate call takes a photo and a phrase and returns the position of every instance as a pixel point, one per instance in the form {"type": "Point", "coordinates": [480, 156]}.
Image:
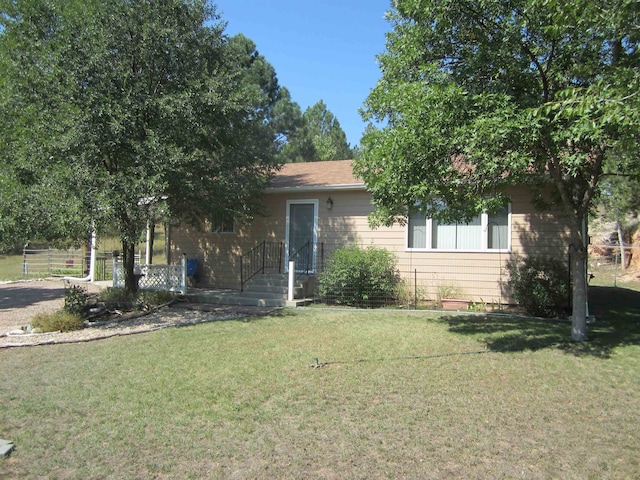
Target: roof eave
{"type": "Point", "coordinates": [315, 188]}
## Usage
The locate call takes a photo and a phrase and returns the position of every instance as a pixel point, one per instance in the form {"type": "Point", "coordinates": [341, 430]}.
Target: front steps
{"type": "Point", "coordinates": [267, 290]}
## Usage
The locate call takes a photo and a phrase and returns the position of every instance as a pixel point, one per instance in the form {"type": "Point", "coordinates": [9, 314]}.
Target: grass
{"type": "Point", "coordinates": [610, 275]}
{"type": "Point", "coordinates": [402, 395]}
{"type": "Point", "coordinates": [10, 267]}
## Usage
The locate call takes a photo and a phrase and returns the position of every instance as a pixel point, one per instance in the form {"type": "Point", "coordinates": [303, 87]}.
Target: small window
{"type": "Point", "coordinates": [417, 230]}
{"type": "Point", "coordinates": [223, 226]}
{"type": "Point", "coordinates": [498, 228]}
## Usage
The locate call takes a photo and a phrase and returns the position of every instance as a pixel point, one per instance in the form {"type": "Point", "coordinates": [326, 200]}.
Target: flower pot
{"type": "Point", "coordinates": [455, 304]}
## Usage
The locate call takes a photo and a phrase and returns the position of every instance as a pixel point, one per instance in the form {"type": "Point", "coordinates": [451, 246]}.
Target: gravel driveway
{"type": "Point", "coordinates": [21, 301]}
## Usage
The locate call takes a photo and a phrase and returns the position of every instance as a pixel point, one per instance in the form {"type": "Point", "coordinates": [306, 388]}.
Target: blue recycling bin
{"type": "Point", "coordinates": [192, 268]}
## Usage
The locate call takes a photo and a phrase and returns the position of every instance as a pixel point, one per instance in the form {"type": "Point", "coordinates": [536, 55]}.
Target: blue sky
{"type": "Point", "coordinates": [320, 49]}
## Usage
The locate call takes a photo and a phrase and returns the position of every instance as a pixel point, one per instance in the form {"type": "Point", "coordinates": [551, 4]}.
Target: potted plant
{"type": "Point", "coordinates": [448, 298]}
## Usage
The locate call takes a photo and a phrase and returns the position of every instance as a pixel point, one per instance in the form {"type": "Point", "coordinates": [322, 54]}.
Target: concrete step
{"type": "Point", "coordinates": [256, 287]}
{"type": "Point", "coordinates": [269, 280]}
{"type": "Point", "coordinates": [299, 302]}
{"type": "Point", "coordinates": [268, 290]}
{"type": "Point", "coordinates": [235, 298]}
{"type": "Point", "coordinates": [263, 294]}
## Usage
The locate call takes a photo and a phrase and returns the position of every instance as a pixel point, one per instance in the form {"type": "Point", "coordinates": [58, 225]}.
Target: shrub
{"type": "Point", "coordinates": [360, 277]}
{"type": "Point", "coordinates": [155, 297]}
{"type": "Point", "coordinates": [539, 284]}
{"type": "Point", "coordinates": [115, 295]}
{"type": "Point", "coordinates": [411, 295]}
{"type": "Point", "coordinates": [61, 320]}
{"type": "Point", "coordinates": [119, 296]}
{"type": "Point", "coordinates": [75, 300]}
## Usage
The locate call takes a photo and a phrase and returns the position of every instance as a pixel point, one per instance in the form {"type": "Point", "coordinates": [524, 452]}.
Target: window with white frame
{"type": "Point", "coordinates": [485, 232]}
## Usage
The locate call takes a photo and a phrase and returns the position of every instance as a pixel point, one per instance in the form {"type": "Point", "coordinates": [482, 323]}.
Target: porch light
{"type": "Point", "coordinates": [329, 203]}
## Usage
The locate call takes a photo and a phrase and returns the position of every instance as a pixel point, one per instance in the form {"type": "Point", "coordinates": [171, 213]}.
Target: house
{"type": "Point", "coordinates": [320, 206]}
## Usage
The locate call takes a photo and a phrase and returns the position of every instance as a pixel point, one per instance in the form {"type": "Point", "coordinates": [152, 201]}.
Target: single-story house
{"type": "Point", "coordinates": [322, 205]}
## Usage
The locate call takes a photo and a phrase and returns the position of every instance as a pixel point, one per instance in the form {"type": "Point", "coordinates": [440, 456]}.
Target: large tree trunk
{"type": "Point", "coordinates": [130, 279]}
{"type": "Point", "coordinates": [579, 278]}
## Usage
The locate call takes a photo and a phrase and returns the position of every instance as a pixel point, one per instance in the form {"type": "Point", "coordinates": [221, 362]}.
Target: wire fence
{"type": "Point", "coordinates": [416, 290]}
{"type": "Point", "coordinates": [469, 282]}
{"type": "Point", "coordinates": [461, 281]}
{"type": "Point", "coordinates": [610, 265]}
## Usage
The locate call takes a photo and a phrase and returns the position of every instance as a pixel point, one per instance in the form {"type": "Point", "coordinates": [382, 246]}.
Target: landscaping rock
{"type": "Point", "coordinates": [6, 447]}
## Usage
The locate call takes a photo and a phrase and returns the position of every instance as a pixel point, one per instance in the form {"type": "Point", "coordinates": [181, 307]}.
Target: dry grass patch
{"type": "Point", "coordinates": [60, 321]}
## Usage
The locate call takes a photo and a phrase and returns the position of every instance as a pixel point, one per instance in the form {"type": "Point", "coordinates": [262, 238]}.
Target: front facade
{"type": "Point", "coordinates": [322, 206]}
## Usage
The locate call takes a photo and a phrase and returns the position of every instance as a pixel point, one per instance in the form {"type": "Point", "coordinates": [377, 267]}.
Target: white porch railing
{"type": "Point", "coordinates": [170, 278]}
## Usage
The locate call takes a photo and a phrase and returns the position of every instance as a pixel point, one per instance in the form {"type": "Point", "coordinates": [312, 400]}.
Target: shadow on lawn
{"type": "Point", "coordinates": [617, 311]}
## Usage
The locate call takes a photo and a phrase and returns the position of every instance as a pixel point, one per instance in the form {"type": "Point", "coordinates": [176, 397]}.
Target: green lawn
{"type": "Point", "coordinates": [10, 267]}
{"type": "Point", "coordinates": [402, 395]}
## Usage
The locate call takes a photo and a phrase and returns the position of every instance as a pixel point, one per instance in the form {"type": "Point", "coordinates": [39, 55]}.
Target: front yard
{"type": "Point", "coordinates": [396, 395]}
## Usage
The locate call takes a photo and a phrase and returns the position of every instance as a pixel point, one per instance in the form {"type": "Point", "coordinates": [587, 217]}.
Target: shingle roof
{"type": "Point", "coordinates": [336, 174]}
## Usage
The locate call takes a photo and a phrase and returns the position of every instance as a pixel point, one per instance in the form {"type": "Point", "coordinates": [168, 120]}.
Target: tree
{"type": "Point", "coordinates": [318, 137]}
{"type": "Point", "coordinates": [328, 138]}
{"type": "Point", "coordinates": [118, 106]}
{"type": "Point", "coordinates": [485, 94]}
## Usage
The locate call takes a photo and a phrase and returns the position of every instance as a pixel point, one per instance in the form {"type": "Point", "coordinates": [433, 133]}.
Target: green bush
{"type": "Point", "coordinates": [359, 277]}
{"type": "Point", "coordinates": [61, 320]}
{"type": "Point", "coordinates": [143, 297]}
{"type": "Point", "coordinates": [115, 295]}
{"type": "Point", "coordinates": [75, 300]}
{"type": "Point", "coordinates": [539, 284]}
{"type": "Point", "coordinates": [155, 297]}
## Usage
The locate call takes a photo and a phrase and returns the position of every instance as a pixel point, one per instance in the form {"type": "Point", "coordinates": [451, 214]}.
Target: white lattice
{"type": "Point", "coordinates": [169, 278]}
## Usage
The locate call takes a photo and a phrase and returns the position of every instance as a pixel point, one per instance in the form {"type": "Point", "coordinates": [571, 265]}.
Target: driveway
{"type": "Point", "coordinates": [21, 301]}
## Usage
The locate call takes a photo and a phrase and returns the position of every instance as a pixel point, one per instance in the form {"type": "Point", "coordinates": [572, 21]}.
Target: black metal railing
{"type": "Point", "coordinates": [303, 258]}
{"type": "Point", "coordinates": [265, 255]}
{"type": "Point", "coordinates": [308, 258]}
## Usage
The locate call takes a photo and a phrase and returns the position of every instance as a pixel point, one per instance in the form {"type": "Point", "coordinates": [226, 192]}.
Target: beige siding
{"type": "Point", "coordinates": [476, 275]}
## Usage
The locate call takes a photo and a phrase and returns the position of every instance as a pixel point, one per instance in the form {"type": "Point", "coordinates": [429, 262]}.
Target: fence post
{"type": "Point", "coordinates": [242, 273]}
{"type": "Point", "coordinates": [115, 270]}
{"type": "Point", "coordinates": [415, 288]}
{"type": "Point", "coordinates": [292, 276]}
{"type": "Point", "coordinates": [184, 273]}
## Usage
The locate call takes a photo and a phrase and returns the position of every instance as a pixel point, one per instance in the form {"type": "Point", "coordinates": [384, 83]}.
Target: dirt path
{"type": "Point", "coordinates": [20, 301]}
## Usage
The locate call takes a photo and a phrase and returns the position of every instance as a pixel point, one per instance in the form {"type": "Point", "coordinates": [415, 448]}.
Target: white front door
{"type": "Point", "coordinates": [302, 231]}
